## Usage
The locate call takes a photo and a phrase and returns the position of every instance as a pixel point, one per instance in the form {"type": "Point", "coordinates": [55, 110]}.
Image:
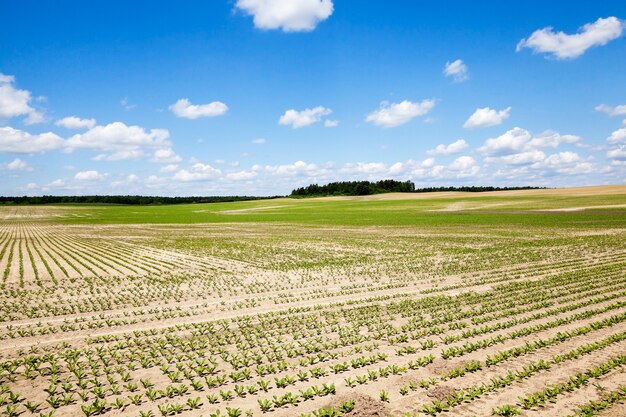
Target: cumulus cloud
{"type": "Point", "coordinates": [551, 139]}
{"type": "Point", "coordinates": [297, 119]}
{"type": "Point", "coordinates": [184, 109]}
{"type": "Point", "coordinates": [617, 147]}
{"type": "Point", "coordinates": [121, 155]}
{"type": "Point", "coordinates": [114, 142]}
{"type": "Point", "coordinates": [365, 168]}
{"type": "Point", "coordinates": [19, 141]}
{"type": "Point", "coordinates": [259, 141]}
{"type": "Point", "coordinates": [396, 114]}
{"type": "Point", "coordinates": [562, 158]}
{"type": "Point", "coordinates": [197, 172]}
{"type": "Point", "coordinates": [485, 117]}
{"type": "Point", "coordinates": [73, 122]}
{"type": "Point", "coordinates": [561, 45]}
{"type": "Point", "coordinates": [169, 168]}
{"type": "Point", "coordinates": [165, 156]}
{"type": "Point", "coordinates": [15, 102]}
{"type": "Point", "coordinates": [450, 149]}
{"type": "Point", "coordinates": [241, 175]}
{"type": "Point", "coordinates": [289, 16]}
{"type": "Point", "coordinates": [464, 166]}
{"type": "Point", "coordinates": [89, 176]}
{"type": "Point", "coordinates": [618, 154]}
{"type": "Point", "coordinates": [331, 123]}
{"type": "Point", "coordinates": [520, 140]}
{"type": "Point", "coordinates": [564, 163]}
{"type": "Point", "coordinates": [298, 168]}
{"type": "Point", "coordinates": [16, 165]}
{"type": "Point", "coordinates": [612, 110]}
{"type": "Point", "coordinates": [119, 141]}
{"type": "Point", "coordinates": [457, 70]}
{"type": "Point", "coordinates": [521, 158]}
{"type": "Point", "coordinates": [518, 154]}
{"type": "Point", "coordinates": [618, 136]}
{"type": "Point", "coordinates": [127, 181]}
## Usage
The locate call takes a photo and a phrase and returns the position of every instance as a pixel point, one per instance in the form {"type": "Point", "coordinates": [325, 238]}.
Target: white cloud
{"type": "Point", "coordinates": [73, 122]}
{"type": "Point", "coordinates": [366, 168]}
{"type": "Point", "coordinates": [520, 140]}
{"type": "Point", "coordinates": [464, 166]}
{"type": "Point", "coordinates": [16, 165]}
{"type": "Point", "coordinates": [129, 180]}
{"type": "Point", "coordinates": [19, 141]}
{"type": "Point", "coordinates": [457, 70]}
{"type": "Point", "coordinates": [618, 136]}
{"type": "Point", "coordinates": [617, 154]}
{"type": "Point", "coordinates": [121, 155]}
{"type": "Point", "coordinates": [563, 46]}
{"type": "Point", "coordinates": [89, 176]}
{"type": "Point", "coordinates": [241, 175]}
{"type": "Point", "coordinates": [183, 108]}
{"type": "Point", "coordinates": [452, 148]}
{"type": "Point", "coordinates": [259, 141]}
{"type": "Point", "coordinates": [119, 141]}
{"type": "Point", "coordinates": [550, 139]}
{"type": "Point", "coordinates": [612, 111]}
{"type": "Point", "coordinates": [617, 151]}
{"type": "Point", "coordinates": [521, 158]}
{"type": "Point", "coordinates": [165, 156]}
{"type": "Point", "coordinates": [153, 181]}
{"type": "Point", "coordinates": [298, 168]}
{"type": "Point", "coordinates": [169, 168]}
{"type": "Point", "coordinates": [396, 114]}
{"type": "Point", "coordinates": [126, 104]}
{"type": "Point", "coordinates": [297, 119]}
{"type": "Point", "coordinates": [485, 117]}
{"type": "Point", "coordinates": [197, 172]}
{"type": "Point", "coordinates": [289, 15]}
{"type": "Point", "coordinates": [57, 183]}
{"type": "Point", "coordinates": [562, 158]}
{"type": "Point", "coordinates": [564, 163]}
{"type": "Point", "coordinates": [15, 102]}
{"type": "Point", "coordinates": [331, 123]}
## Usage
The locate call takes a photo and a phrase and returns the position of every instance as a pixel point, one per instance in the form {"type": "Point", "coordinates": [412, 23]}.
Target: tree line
{"type": "Point", "coordinates": [355, 188]}
{"type": "Point", "coordinates": [346, 188]}
{"type": "Point", "coordinates": [122, 199]}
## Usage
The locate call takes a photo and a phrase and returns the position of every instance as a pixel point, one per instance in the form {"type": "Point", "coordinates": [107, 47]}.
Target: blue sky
{"type": "Point", "coordinates": [261, 96]}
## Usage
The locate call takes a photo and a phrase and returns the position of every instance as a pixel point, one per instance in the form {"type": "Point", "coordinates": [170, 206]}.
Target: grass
{"type": "Point", "coordinates": [497, 211]}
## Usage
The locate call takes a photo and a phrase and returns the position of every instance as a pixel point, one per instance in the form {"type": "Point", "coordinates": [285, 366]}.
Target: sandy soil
{"type": "Point", "coordinates": [144, 289]}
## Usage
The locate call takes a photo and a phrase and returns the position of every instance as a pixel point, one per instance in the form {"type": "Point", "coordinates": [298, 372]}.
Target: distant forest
{"type": "Point", "coordinates": [122, 199]}
{"type": "Point", "coordinates": [348, 188]}
{"type": "Point", "coordinates": [353, 188]}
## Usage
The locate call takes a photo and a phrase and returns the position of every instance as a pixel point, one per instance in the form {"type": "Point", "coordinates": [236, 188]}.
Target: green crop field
{"type": "Point", "coordinates": [464, 304]}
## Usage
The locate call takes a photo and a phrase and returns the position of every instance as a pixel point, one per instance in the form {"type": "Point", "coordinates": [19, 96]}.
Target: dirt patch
{"type": "Point", "coordinates": [440, 392]}
{"type": "Point", "coordinates": [587, 207]}
{"type": "Point", "coordinates": [365, 406]}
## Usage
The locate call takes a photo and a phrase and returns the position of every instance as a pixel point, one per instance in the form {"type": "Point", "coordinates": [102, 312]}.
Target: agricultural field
{"type": "Point", "coordinates": [500, 303]}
